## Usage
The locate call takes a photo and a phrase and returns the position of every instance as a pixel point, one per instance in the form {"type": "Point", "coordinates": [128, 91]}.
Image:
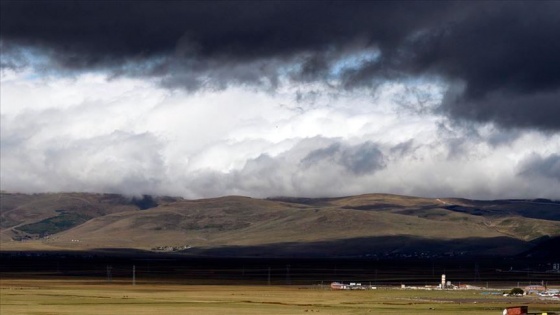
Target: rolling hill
{"type": "Point", "coordinates": [372, 225]}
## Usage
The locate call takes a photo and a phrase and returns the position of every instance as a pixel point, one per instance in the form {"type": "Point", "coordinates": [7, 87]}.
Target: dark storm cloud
{"type": "Point", "coordinates": [501, 58]}
{"type": "Point", "coordinates": [359, 159]}
{"type": "Point", "coordinates": [547, 167]}
{"type": "Point", "coordinates": [510, 108]}
{"type": "Point", "coordinates": [363, 159]}
{"type": "Point", "coordinates": [97, 33]}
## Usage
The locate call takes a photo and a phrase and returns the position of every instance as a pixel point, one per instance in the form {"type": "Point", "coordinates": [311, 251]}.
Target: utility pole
{"type": "Point", "coordinates": [133, 274]}
{"type": "Point", "coordinates": [268, 275]}
{"type": "Point", "coordinates": [109, 275]}
{"type": "Point", "coordinates": [288, 274]}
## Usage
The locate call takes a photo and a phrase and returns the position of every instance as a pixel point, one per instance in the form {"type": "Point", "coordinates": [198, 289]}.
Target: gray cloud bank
{"type": "Point", "coordinates": [135, 164]}
{"type": "Point", "coordinates": [141, 139]}
{"type": "Point", "coordinates": [500, 59]}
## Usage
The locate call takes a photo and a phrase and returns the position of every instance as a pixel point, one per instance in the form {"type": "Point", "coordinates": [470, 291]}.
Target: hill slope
{"type": "Point", "coordinates": [370, 225]}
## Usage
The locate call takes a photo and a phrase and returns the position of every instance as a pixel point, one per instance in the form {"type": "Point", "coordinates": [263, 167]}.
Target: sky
{"type": "Point", "coordinates": [281, 98]}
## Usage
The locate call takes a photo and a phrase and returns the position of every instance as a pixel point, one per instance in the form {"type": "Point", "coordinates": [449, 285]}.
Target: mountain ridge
{"type": "Point", "coordinates": [369, 225]}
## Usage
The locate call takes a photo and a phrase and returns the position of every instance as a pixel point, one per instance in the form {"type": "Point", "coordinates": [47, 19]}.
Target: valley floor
{"type": "Point", "coordinates": [28, 295]}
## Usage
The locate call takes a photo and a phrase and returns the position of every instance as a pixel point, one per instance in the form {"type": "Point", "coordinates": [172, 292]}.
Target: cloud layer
{"type": "Point", "coordinates": [274, 98]}
{"type": "Point", "coordinates": [503, 55]}
{"type": "Point", "coordinates": [131, 136]}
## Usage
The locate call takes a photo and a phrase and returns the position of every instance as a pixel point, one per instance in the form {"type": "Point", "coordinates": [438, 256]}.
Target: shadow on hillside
{"type": "Point", "coordinates": [546, 248]}
{"type": "Point", "coordinates": [376, 247]}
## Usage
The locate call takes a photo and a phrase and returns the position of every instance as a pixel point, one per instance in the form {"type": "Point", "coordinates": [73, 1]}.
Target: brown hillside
{"type": "Point", "coordinates": [374, 224]}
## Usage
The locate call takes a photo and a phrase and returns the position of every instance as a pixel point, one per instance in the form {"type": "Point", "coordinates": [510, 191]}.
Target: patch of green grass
{"type": "Point", "coordinates": [64, 221]}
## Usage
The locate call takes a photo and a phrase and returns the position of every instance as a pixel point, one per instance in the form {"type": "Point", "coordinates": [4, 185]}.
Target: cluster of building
{"type": "Point", "coordinates": [351, 286]}
{"type": "Point", "coordinates": [540, 290]}
{"type": "Point", "coordinates": [443, 285]}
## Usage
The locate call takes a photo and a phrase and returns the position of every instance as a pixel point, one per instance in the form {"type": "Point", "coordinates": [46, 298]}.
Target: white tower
{"type": "Point", "coordinates": [443, 281]}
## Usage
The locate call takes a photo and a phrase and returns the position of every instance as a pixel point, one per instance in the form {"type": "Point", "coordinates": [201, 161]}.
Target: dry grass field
{"type": "Point", "coordinates": [46, 297]}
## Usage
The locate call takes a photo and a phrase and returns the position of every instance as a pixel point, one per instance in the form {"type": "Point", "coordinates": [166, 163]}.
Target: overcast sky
{"type": "Point", "coordinates": [287, 98]}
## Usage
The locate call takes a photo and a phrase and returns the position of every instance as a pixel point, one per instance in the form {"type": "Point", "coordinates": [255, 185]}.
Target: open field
{"type": "Point", "coordinates": [83, 296]}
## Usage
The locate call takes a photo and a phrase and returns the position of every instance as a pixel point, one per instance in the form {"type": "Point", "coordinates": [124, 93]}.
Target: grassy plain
{"type": "Point", "coordinates": [82, 296]}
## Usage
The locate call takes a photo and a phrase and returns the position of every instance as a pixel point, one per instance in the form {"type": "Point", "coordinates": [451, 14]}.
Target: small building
{"type": "Point", "coordinates": [534, 289]}
{"type": "Point", "coordinates": [351, 286]}
{"type": "Point", "coordinates": [338, 286]}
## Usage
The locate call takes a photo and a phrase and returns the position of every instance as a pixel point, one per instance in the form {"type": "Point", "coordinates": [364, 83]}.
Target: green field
{"type": "Point", "coordinates": [42, 297]}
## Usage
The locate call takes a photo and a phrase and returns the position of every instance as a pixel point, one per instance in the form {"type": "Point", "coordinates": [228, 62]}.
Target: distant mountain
{"type": "Point", "coordinates": [373, 225]}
